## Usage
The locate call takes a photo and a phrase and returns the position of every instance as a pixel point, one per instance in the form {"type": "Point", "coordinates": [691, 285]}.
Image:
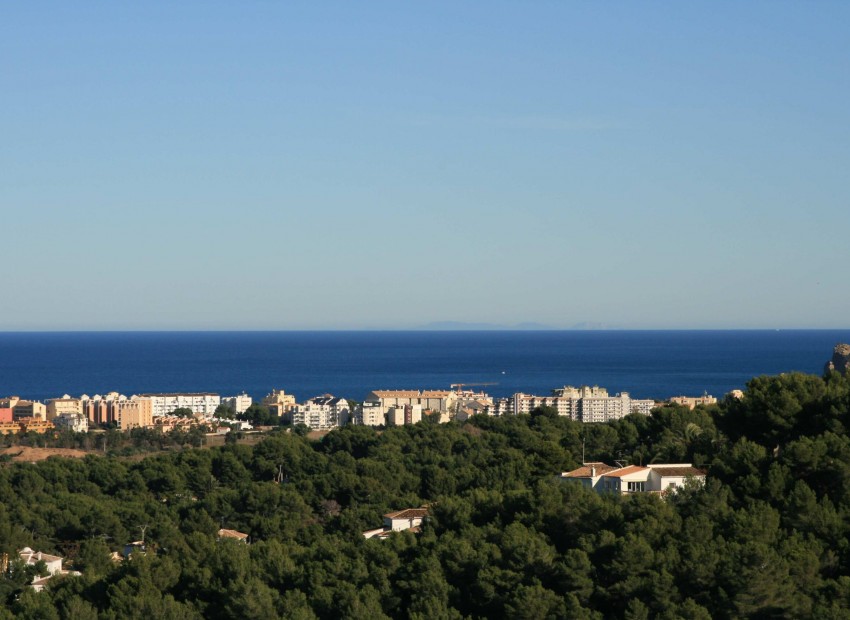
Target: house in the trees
{"type": "Point", "coordinates": [589, 474]}
{"type": "Point", "coordinates": [408, 519]}
{"type": "Point", "coordinates": [240, 536]}
{"type": "Point", "coordinates": [672, 477]}
{"type": "Point", "coordinates": [654, 478]}
{"type": "Point", "coordinates": [53, 563]}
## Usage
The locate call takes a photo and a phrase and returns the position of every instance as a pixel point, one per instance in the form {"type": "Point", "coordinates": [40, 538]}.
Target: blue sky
{"type": "Point", "coordinates": [262, 165]}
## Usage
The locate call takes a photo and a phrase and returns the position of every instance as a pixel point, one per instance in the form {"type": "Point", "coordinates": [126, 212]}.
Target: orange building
{"type": "Point", "coordinates": [26, 425]}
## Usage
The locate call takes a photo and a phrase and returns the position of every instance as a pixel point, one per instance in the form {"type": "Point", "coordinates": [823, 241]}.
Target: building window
{"type": "Point", "coordinates": [636, 487]}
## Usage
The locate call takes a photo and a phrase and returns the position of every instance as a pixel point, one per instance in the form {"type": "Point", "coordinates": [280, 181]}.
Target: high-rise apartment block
{"type": "Point", "coordinates": [583, 404]}
{"type": "Point", "coordinates": [66, 404]}
{"type": "Point", "coordinates": [322, 412]}
{"type": "Point", "coordinates": [238, 403]}
{"type": "Point", "coordinates": [280, 404]}
{"type": "Point", "coordinates": [369, 414]}
{"type": "Point", "coordinates": [201, 403]}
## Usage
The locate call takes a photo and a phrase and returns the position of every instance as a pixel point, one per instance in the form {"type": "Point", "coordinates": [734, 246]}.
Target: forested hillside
{"type": "Point", "coordinates": [766, 537]}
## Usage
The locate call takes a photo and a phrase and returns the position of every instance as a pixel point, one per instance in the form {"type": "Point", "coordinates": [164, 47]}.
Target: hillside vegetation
{"type": "Point", "coordinates": [766, 537]}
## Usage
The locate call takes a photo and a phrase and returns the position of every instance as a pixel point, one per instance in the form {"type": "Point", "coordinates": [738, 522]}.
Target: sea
{"type": "Point", "coordinates": [646, 364]}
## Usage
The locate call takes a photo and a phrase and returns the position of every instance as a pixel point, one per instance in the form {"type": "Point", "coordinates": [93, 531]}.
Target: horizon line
{"type": "Point", "coordinates": [410, 329]}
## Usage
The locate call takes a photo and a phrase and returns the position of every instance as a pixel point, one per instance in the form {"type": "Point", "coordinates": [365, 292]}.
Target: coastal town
{"type": "Point", "coordinates": [221, 414]}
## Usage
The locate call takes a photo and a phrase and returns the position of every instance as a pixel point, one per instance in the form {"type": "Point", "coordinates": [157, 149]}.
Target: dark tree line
{"type": "Point", "coordinates": [765, 537]}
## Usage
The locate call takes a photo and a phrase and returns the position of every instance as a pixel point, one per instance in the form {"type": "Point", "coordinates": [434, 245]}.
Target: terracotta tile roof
{"type": "Point", "coordinates": [222, 533]}
{"type": "Point", "coordinates": [178, 394]}
{"type": "Point", "coordinates": [409, 513]}
{"type": "Point", "coordinates": [435, 393]}
{"type": "Point", "coordinates": [625, 471]}
{"type": "Point", "coordinates": [678, 471]}
{"type": "Point", "coordinates": [31, 557]}
{"type": "Point", "coordinates": [396, 393]}
{"type": "Point", "coordinates": [584, 471]}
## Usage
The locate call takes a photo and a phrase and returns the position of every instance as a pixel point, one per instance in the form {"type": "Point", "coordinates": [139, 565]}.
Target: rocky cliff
{"type": "Point", "coordinates": [840, 359]}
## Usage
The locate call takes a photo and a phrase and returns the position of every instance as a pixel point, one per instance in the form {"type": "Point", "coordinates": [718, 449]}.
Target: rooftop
{"type": "Point", "coordinates": [408, 513]}
{"type": "Point", "coordinates": [585, 470]}
{"type": "Point", "coordinates": [179, 394]}
{"type": "Point", "coordinates": [396, 393]}
{"type": "Point", "coordinates": [625, 471]}
{"type": "Point", "coordinates": [678, 470]}
{"type": "Point", "coordinates": [29, 555]}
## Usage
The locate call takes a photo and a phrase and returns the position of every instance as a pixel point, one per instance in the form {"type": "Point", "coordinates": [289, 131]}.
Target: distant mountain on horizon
{"type": "Point", "coordinates": [463, 325]}
{"type": "Point", "coordinates": [525, 326]}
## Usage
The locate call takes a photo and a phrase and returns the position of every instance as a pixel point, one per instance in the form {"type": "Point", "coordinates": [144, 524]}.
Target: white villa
{"type": "Point", "coordinates": [656, 478]}
{"type": "Point", "coordinates": [52, 562]}
{"type": "Point", "coordinates": [408, 519]}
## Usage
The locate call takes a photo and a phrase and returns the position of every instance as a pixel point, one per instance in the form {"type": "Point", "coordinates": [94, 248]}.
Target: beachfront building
{"type": "Point", "coordinates": [66, 404]}
{"type": "Point", "coordinates": [238, 403]}
{"type": "Point", "coordinates": [322, 412]}
{"type": "Point", "coordinates": [433, 400]}
{"type": "Point", "coordinates": [582, 404]}
{"type": "Point", "coordinates": [692, 401]}
{"type": "Point", "coordinates": [606, 408]}
{"type": "Point", "coordinates": [136, 412]}
{"type": "Point", "coordinates": [501, 406]}
{"type": "Point", "coordinates": [468, 403]}
{"type": "Point", "coordinates": [202, 403]}
{"type": "Point", "coordinates": [467, 409]}
{"type": "Point", "coordinates": [280, 404]}
{"type": "Point", "coordinates": [567, 406]}
{"type": "Point", "coordinates": [75, 422]}
{"type": "Point", "coordinates": [10, 427]}
{"type": "Point", "coordinates": [100, 409]}
{"type": "Point", "coordinates": [369, 414]}
{"type": "Point", "coordinates": [126, 413]}
{"type": "Point", "coordinates": [404, 414]}
{"type": "Point", "coordinates": [29, 409]}
{"type": "Point", "coordinates": [26, 425]}
{"type": "Point", "coordinates": [168, 423]}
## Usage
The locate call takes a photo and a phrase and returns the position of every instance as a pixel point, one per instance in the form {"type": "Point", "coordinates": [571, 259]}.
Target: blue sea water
{"type": "Point", "coordinates": [647, 364]}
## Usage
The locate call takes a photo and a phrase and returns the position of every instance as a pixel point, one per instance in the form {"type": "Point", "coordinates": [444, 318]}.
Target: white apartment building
{"type": "Point", "coordinates": [239, 403]}
{"type": "Point", "coordinates": [603, 409]}
{"type": "Point", "coordinates": [501, 406]}
{"type": "Point", "coordinates": [203, 403]}
{"type": "Point", "coordinates": [322, 413]}
{"type": "Point", "coordinates": [435, 400]}
{"type": "Point", "coordinates": [405, 414]}
{"type": "Point", "coordinates": [75, 422]}
{"type": "Point", "coordinates": [370, 414]}
{"type": "Point", "coordinates": [566, 406]}
{"type": "Point", "coordinates": [583, 404]}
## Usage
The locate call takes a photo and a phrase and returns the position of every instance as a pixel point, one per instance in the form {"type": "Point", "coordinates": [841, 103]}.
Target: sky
{"type": "Point", "coordinates": [303, 165]}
